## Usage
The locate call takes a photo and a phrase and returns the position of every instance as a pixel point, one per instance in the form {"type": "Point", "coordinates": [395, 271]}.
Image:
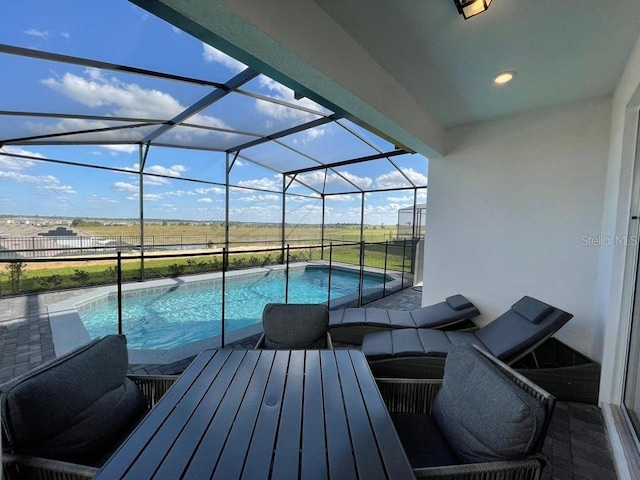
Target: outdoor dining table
{"type": "Point", "coordinates": [282, 414]}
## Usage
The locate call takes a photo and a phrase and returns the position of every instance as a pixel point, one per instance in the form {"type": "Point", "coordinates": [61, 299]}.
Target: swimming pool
{"type": "Point", "coordinates": [185, 312]}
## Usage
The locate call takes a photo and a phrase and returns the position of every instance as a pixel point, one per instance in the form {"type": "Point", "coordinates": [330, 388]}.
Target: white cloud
{"type": "Point", "coordinates": [310, 208]}
{"type": "Point", "coordinates": [259, 212]}
{"type": "Point", "coordinates": [209, 190]}
{"type": "Point", "coordinates": [93, 198]}
{"type": "Point", "coordinates": [363, 182]}
{"type": "Point", "coordinates": [382, 209]}
{"type": "Point", "coordinates": [176, 30]}
{"type": "Point", "coordinates": [179, 193]}
{"type": "Point", "coordinates": [14, 163]}
{"type": "Point", "coordinates": [214, 55]}
{"type": "Point", "coordinates": [65, 35]}
{"type": "Point", "coordinates": [279, 112]}
{"type": "Point", "coordinates": [314, 133]}
{"type": "Point", "coordinates": [416, 177]}
{"type": "Point", "coordinates": [317, 179]}
{"type": "Point", "coordinates": [121, 148]}
{"type": "Point", "coordinates": [151, 197]}
{"type": "Point", "coordinates": [23, 178]}
{"type": "Point", "coordinates": [305, 199]}
{"type": "Point", "coordinates": [125, 187]}
{"type": "Point", "coordinates": [205, 200]}
{"type": "Point", "coordinates": [14, 150]}
{"type": "Point", "coordinates": [395, 179]}
{"type": "Point", "coordinates": [172, 171]}
{"type": "Point", "coordinates": [45, 181]}
{"type": "Point", "coordinates": [36, 33]}
{"type": "Point", "coordinates": [79, 125]}
{"type": "Point", "coordinates": [341, 198]}
{"type": "Point", "coordinates": [404, 199]}
{"type": "Point", "coordinates": [165, 207]}
{"type": "Point", "coordinates": [95, 89]}
{"type": "Point", "coordinates": [155, 181]}
{"type": "Point", "coordinates": [312, 178]}
{"type": "Point", "coordinates": [260, 198]}
{"type": "Point", "coordinates": [263, 183]}
{"type": "Point", "coordinates": [60, 188]}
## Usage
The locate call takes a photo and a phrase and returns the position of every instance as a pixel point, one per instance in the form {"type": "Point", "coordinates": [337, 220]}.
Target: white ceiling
{"type": "Point", "coordinates": [562, 51]}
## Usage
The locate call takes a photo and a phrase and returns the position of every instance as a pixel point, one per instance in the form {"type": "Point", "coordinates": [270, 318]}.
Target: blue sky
{"type": "Point", "coordinates": [121, 33]}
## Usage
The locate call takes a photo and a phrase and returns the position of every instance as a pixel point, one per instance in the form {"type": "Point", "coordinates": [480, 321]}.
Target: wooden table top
{"type": "Point", "coordinates": [266, 414]}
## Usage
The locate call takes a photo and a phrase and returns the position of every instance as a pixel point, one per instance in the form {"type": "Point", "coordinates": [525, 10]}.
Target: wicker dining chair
{"type": "Point", "coordinates": [295, 326]}
{"type": "Point", "coordinates": [482, 420]}
{"type": "Point", "coordinates": [62, 419]}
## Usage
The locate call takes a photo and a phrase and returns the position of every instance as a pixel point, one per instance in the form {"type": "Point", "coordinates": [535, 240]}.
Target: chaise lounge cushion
{"type": "Point", "coordinates": [408, 342]}
{"type": "Point", "coordinates": [295, 325]}
{"type": "Point", "coordinates": [458, 302]}
{"type": "Point", "coordinates": [74, 408]}
{"type": "Point", "coordinates": [532, 309]}
{"type": "Point", "coordinates": [511, 333]}
{"type": "Point", "coordinates": [483, 415]}
{"type": "Point", "coordinates": [454, 308]}
{"type": "Point", "coordinates": [506, 337]}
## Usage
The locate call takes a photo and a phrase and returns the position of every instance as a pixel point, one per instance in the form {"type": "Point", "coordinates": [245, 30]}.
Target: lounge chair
{"type": "Point", "coordinates": [64, 418]}
{"type": "Point", "coordinates": [483, 420]}
{"type": "Point", "coordinates": [420, 352]}
{"type": "Point", "coordinates": [295, 326]}
{"type": "Point", "coordinates": [350, 325]}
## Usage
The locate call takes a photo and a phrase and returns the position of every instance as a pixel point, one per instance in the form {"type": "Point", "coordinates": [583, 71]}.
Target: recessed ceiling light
{"type": "Point", "coordinates": [504, 77]}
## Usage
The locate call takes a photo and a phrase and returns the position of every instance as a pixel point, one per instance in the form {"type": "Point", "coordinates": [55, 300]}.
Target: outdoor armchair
{"type": "Point", "coordinates": [350, 325]}
{"type": "Point", "coordinates": [295, 326]}
{"type": "Point", "coordinates": [483, 420]}
{"type": "Point", "coordinates": [63, 419]}
{"type": "Point", "coordinates": [420, 352]}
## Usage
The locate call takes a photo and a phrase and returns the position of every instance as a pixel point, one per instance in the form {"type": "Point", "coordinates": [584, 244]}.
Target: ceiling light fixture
{"type": "Point", "coordinates": [504, 77]}
{"type": "Point", "coordinates": [469, 8]}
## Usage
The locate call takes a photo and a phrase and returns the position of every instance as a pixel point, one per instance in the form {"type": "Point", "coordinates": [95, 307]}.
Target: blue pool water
{"type": "Point", "coordinates": [185, 315]}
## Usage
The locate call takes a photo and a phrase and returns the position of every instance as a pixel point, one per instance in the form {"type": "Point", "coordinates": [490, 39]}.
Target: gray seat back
{"type": "Point", "coordinates": [487, 411]}
{"type": "Point", "coordinates": [74, 408]}
{"type": "Point", "coordinates": [516, 331]}
{"type": "Point", "coordinates": [295, 326]}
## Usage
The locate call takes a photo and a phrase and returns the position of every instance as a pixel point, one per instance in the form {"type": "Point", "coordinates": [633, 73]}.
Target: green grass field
{"type": "Point", "coordinates": [242, 233]}
{"type": "Point", "coordinates": [32, 277]}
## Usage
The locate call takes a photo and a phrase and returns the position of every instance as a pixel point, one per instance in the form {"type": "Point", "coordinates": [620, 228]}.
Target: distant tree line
{"type": "Point", "coordinates": [79, 222]}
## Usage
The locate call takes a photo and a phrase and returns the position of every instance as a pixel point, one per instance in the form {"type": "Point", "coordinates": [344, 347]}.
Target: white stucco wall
{"type": "Point", "coordinates": [511, 208]}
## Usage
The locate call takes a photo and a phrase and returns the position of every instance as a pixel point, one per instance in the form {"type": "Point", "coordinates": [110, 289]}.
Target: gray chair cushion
{"type": "Point", "coordinates": [483, 414]}
{"type": "Point", "coordinates": [422, 441]}
{"type": "Point", "coordinates": [532, 309]}
{"type": "Point", "coordinates": [75, 407]}
{"type": "Point", "coordinates": [289, 325]}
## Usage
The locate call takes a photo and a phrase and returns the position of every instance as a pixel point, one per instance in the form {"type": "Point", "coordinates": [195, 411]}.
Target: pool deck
{"type": "Point", "coordinates": [576, 444]}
